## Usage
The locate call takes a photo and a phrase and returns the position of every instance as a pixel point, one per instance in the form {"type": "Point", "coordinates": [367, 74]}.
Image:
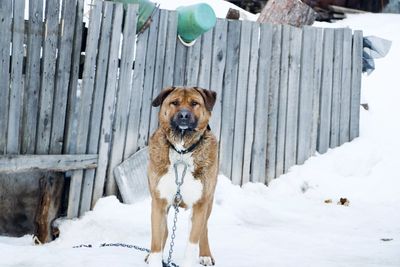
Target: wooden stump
{"type": "Point", "coordinates": [292, 12]}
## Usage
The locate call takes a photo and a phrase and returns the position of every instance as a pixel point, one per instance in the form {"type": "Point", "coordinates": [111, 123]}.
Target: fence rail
{"type": "Point", "coordinates": [283, 92]}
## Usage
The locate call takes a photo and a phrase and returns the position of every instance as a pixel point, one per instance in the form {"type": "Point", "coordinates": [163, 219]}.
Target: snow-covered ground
{"type": "Point", "coordinates": [285, 224]}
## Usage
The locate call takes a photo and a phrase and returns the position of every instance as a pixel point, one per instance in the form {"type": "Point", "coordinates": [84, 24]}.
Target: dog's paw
{"type": "Point", "coordinates": [206, 261]}
{"type": "Point", "coordinates": [154, 260]}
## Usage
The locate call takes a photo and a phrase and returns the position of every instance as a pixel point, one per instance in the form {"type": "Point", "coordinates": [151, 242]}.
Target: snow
{"type": "Point", "coordinates": [285, 224]}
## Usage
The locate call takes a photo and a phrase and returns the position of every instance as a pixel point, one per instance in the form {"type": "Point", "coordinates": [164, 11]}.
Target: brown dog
{"type": "Point", "coordinates": [183, 134]}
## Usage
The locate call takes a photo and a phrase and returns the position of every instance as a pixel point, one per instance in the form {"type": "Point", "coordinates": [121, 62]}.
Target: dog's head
{"type": "Point", "coordinates": [185, 109]}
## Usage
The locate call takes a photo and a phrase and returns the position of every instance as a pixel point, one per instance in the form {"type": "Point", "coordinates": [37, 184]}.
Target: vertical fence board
{"type": "Point", "coordinates": [251, 100]}
{"type": "Point", "coordinates": [123, 99]}
{"type": "Point", "coordinates": [205, 60]}
{"type": "Point", "coordinates": [16, 88]}
{"type": "Point", "coordinates": [63, 75]}
{"type": "Point", "coordinates": [193, 63]}
{"type": "Point", "coordinates": [241, 102]}
{"type": "Point", "coordinates": [217, 72]}
{"type": "Point", "coordinates": [50, 40]}
{"type": "Point", "coordinates": [282, 106]}
{"type": "Point", "coordinates": [159, 67]}
{"type": "Point", "coordinates": [273, 103]}
{"type": "Point", "coordinates": [97, 106]}
{"type": "Point", "coordinates": [306, 93]}
{"type": "Point", "coordinates": [344, 123]}
{"type": "Point", "coordinates": [259, 149]}
{"type": "Point", "coordinates": [85, 106]}
{"type": "Point", "coordinates": [168, 75]}
{"type": "Point", "coordinates": [180, 64]}
{"type": "Point", "coordinates": [293, 97]}
{"type": "Point", "coordinates": [108, 106]}
{"type": "Point", "coordinates": [326, 92]}
{"type": "Point", "coordinates": [5, 25]}
{"type": "Point", "coordinates": [319, 52]}
{"type": "Point", "coordinates": [148, 85]}
{"type": "Point", "coordinates": [336, 87]}
{"type": "Point", "coordinates": [229, 95]}
{"type": "Point", "coordinates": [356, 84]}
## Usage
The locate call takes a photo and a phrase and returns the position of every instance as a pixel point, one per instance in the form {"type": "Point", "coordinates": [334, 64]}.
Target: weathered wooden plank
{"type": "Point", "coordinates": [283, 87]}
{"type": "Point", "coordinates": [68, 15]}
{"type": "Point", "coordinates": [85, 106]}
{"type": "Point", "coordinates": [251, 100]}
{"type": "Point", "coordinates": [57, 163]}
{"type": "Point", "coordinates": [293, 97]}
{"type": "Point", "coordinates": [47, 76]}
{"type": "Point", "coordinates": [259, 150]}
{"type": "Point", "coordinates": [326, 92]}
{"type": "Point", "coordinates": [168, 75]}
{"type": "Point", "coordinates": [158, 67]}
{"type": "Point", "coordinates": [306, 93]}
{"type": "Point", "coordinates": [193, 63]}
{"type": "Point", "coordinates": [17, 83]}
{"type": "Point", "coordinates": [98, 101]}
{"type": "Point", "coordinates": [229, 97]}
{"type": "Point", "coordinates": [336, 88]}
{"type": "Point", "coordinates": [205, 60]}
{"type": "Point", "coordinates": [217, 72]}
{"type": "Point", "coordinates": [5, 24]}
{"type": "Point", "coordinates": [273, 102]}
{"type": "Point", "coordinates": [345, 93]}
{"type": "Point", "coordinates": [74, 86]}
{"type": "Point", "coordinates": [356, 84]}
{"type": "Point", "coordinates": [319, 52]}
{"type": "Point", "coordinates": [148, 85]}
{"type": "Point", "coordinates": [124, 94]}
{"type": "Point", "coordinates": [241, 102]}
{"type": "Point", "coordinates": [180, 64]}
{"type": "Point", "coordinates": [109, 102]}
{"type": "Point", "coordinates": [132, 136]}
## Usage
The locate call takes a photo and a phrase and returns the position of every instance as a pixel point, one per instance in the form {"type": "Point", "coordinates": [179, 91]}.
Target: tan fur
{"type": "Point", "coordinates": [205, 159]}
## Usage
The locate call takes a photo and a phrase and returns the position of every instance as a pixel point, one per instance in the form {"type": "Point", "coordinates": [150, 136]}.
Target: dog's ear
{"type": "Point", "coordinates": [163, 94]}
{"type": "Point", "coordinates": [209, 97]}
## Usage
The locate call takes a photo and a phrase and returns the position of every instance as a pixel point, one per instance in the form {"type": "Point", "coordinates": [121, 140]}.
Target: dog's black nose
{"type": "Point", "coordinates": [184, 114]}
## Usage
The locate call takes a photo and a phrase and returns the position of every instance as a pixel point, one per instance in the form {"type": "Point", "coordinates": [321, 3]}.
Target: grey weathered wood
{"type": "Point", "coordinates": [345, 93]}
{"type": "Point", "coordinates": [74, 89]}
{"type": "Point", "coordinates": [50, 42]}
{"type": "Point", "coordinates": [159, 66]}
{"type": "Point", "coordinates": [306, 93]}
{"type": "Point", "coordinates": [85, 106]}
{"type": "Point", "coordinates": [259, 149]}
{"type": "Point", "coordinates": [282, 107]}
{"type": "Point", "coordinates": [205, 60]}
{"type": "Point", "coordinates": [109, 102]}
{"type": "Point", "coordinates": [251, 100]}
{"type": "Point", "coordinates": [326, 92]}
{"type": "Point", "coordinates": [16, 83]}
{"type": "Point", "coordinates": [356, 84]}
{"type": "Point", "coordinates": [193, 63]}
{"type": "Point", "coordinates": [293, 98]}
{"type": "Point", "coordinates": [148, 85]}
{"type": "Point", "coordinates": [68, 15]}
{"type": "Point", "coordinates": [168, 75]}
{"type": "Point", "coordinates": [319, 52]}
{"type": "Point", "coordinates": [180, 64]}
{"type": "Point", "coordinates": [336, 88]}
{"type": "Point", "coordinates": [124, 93]}
{"type": "Point", "coordinates": [229, 97]}
{"type": "Point", "coordinates": [132, 136]}
{"type": "Point", "coordinates": [241, 102]}
{"type": "Point", "coordinates": [217, 72]}
{"type": "Point", "coordinates": [5, 24]}
{"type": "Point", "coordinates": [273, 102]}
{"type": "Point", "coordinates": [57, 163]}
{"type": "Point", "coordinates": [97, 105]}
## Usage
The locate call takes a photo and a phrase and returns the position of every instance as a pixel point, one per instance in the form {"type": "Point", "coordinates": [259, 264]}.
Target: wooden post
{"type": "Point", "coordinates": [292, 12]}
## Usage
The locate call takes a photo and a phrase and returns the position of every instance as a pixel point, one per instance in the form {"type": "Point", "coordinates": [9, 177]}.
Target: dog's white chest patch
{"type": "Point", "coordinates": [191, 189]}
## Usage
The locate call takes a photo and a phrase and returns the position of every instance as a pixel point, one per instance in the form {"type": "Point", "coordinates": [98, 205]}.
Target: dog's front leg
{"type": "Point", "coordinates": [199, 218]}
{"type": "Point", "coordinates": [158, 226]}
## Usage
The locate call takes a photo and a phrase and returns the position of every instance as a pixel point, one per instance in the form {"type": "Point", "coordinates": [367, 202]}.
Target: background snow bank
{"type": "Point", "coordinates": [285, 224]}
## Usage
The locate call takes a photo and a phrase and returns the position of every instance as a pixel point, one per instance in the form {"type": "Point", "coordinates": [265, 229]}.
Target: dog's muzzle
{"type": "Point", "coordinates": [184, 120]}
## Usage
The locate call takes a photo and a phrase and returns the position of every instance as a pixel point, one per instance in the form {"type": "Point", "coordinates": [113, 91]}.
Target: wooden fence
{"type": "Point", "coordinates": [283, 93]}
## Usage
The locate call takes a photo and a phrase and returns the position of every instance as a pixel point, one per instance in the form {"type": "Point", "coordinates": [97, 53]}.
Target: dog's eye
{"type": "Point", "coordinates": [175, 103]}
{"type": "Point", "coordinates": [194, 103]}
